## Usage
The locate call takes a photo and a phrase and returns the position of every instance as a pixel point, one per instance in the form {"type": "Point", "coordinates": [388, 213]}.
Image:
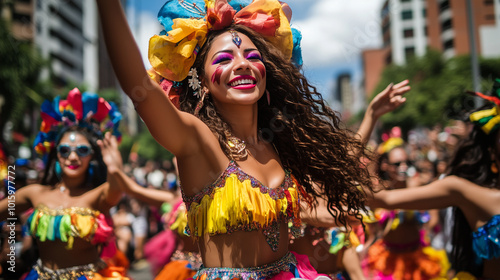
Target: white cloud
{"type": "Point", "coordinates": [336, 31]}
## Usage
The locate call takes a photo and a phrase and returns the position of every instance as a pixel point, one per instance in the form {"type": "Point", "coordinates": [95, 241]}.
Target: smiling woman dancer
{"type": "Point", "coordinates": [248, 121]}
{"type": "Point", "coordinates": [70, 217]}
{"type": "Point", "coordinates": [472, 187]}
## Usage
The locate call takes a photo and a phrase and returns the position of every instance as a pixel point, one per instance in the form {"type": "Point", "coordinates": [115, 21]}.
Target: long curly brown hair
{"type": "Point", "coordinates": [323, 156]}
{"type": "Point", "coordinates": [471, 161]}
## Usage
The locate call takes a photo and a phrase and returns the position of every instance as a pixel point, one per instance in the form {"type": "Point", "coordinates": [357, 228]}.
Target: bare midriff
{"type": "Point", "coordinates": [241, 249]}
{"type": "Point", "coordinates": [54, 254]}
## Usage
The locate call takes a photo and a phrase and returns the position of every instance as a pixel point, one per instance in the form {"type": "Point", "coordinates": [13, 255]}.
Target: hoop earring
{"type": "Point", "coordinates": [494, 168]}
{"type": "Point", "coordinates": [268, 98]}
{"type": "Point", "coordinates": [58, 170]}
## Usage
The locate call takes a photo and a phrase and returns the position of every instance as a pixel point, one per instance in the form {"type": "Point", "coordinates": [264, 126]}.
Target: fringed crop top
{"type": "Point", "coordinates": [237, 201]}
{"type": "Point", "coordinates": [66, 224]}
{"type": "Point", "coordinates": [485, 241]}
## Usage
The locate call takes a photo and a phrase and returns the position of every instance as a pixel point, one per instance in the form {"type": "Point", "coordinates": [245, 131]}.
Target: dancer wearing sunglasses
{"type": "Point", "coordinates": [70, 219]}
{"type": "Point", "coordinates": [250, 133]}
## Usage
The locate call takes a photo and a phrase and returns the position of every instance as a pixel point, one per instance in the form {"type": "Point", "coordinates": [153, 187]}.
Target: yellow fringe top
{"type": "Point", "coordinates": [238, 201]}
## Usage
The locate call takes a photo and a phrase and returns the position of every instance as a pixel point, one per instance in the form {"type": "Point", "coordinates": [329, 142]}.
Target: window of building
{"type": "Point", "coordinates": [402, 1]}
{"type": "Point", "coordinates": [65, 62]}
{"type": "Point", "coordinates": [447, 24]}
{"type": "Point", "coordinates": [488, 2]}
{"type": "Point", "coordinates": [426, 30]}
{"type": "Point", "coordinates": [448, 44]}
{"type": "Point", "coordinates": [409, 52]}
{"type": "Point", "coordinates": [22, 18]}
{"type": "Point", "coordinates": [65, 41]}
{"type": "Point", "coordinates": [443, 6]}
{"type": "Point", "coordinates": [74, 4]}
{"type": "Point", "coordinates": [489, 17]}
{"type": "Point", "coordinates": [63, 17]}
{"type": "Point", "coordinates": [424, 13]}
{"type": "Point", "coordinates": [408, 33]}
{"type": "Point", "coordinates": [388, 59]}
{"type": "Point", "coordinates": [407, 15]}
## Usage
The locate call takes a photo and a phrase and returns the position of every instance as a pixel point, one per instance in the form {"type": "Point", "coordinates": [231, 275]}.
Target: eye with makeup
{"type": "Point", "coordinates": [254, 55]}
{"type": "Point", "coordinates": [222, 58]}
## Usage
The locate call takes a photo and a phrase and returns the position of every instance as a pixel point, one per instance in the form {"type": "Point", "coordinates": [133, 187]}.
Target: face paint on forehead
{"type": "Point", "coordinates": [217, 73]}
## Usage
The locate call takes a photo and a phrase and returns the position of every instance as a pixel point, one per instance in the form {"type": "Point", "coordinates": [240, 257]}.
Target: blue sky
{"type": "Point", "coordinates": [334, 33]}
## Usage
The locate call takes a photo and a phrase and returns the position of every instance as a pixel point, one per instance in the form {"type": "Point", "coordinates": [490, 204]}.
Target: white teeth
{"type": "Point", "coordinates": [241, 82]}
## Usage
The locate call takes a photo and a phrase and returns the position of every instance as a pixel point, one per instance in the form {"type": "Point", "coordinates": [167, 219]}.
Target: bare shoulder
{"type": "Point", "coordinates": [455, 183]}
{"type": "Point", "coordinates": [34, 189]}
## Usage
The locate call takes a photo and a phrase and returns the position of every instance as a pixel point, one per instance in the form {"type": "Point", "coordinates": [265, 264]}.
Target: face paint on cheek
{"type": "Point", "coordinates": [216, 75]}
{"type": "Point", "coordinates": [262, 69]}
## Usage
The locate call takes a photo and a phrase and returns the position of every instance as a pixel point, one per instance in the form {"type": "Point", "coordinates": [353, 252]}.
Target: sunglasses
{"type": "Point", "coordinates": [398, 163]}
{"type": "Point", "coordinates": [81, 150]}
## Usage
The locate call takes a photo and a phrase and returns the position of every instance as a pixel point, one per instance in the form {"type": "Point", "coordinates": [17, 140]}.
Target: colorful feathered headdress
{"type": "Point", "coordinates": [488, 120]}
{"type": "Point", "coordinates": [86, 110]}
{"type": "Point", "coordinates": [187, 22]}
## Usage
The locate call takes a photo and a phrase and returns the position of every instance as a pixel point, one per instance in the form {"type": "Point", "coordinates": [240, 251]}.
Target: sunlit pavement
{"type": "Point", "coordinates": [140, 271]}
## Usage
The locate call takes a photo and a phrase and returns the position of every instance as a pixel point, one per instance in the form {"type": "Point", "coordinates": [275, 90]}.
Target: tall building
{"type": "Point", "coordinates": [448, 26]}
{"type": "Point", "coordinates": [410, 27]}
{"type": "Point", "coordinates": [60, 35]}
{"type": "Point", "coordinates": [344, 94]}
{"type": "Point", "coordinates": [404, 29]}
{"type": "Point", "coordinates": [20, 15]}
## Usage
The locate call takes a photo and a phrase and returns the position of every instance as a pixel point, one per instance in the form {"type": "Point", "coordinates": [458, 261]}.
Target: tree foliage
{"type": "Point", "coordinates": [21, 65]}
{"type": "Point", "coordinates": [438, 89]}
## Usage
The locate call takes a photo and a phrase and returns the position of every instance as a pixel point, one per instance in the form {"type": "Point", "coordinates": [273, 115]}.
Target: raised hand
{"type": "Point", "coordinates": [110, 153]}
{"type": "Point", "coordinates": [389, 99]}
{"type": "Point", "coordinates": [384, 102]}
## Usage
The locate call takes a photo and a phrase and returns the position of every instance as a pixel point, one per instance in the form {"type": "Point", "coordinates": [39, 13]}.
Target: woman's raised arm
{"type": "Point", "coordinates": [152, 104]}
{"type": "Point", "coordinates": [436, 195]}
{"type": "Point", "coordinates": [384, 102]}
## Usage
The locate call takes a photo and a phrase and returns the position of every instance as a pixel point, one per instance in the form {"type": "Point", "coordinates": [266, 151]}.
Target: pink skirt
{"type": "Point", "coordinates": [291, 266]}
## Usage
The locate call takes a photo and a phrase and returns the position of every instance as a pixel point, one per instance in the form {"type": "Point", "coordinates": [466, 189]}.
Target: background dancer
{"type": "Point", "coordinates": [70, 221]}
{"type": "Point", "coordinates": [472, 188]}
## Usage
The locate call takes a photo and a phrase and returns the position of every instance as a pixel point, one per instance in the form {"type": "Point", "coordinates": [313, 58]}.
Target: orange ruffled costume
{"type": "Point", "coordinates": [421, 264]}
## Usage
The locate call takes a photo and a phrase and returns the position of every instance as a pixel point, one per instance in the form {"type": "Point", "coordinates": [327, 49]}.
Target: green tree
{"type": "Point", "coordinates": [21, 65]}
{"type": "Point", "coordinates": [438, 89]}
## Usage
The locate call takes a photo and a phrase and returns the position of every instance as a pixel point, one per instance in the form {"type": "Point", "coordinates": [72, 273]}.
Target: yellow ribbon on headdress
{"type": "Point", "coordinates": [486, 119]}
{"type": "Point", "coordinates": [174, 54]}
{"type": "Point", "coordinates": [390, 144]}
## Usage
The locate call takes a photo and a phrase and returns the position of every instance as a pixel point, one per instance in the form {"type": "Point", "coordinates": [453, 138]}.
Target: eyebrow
{"type": "Point", "coordinates": [231, 51]}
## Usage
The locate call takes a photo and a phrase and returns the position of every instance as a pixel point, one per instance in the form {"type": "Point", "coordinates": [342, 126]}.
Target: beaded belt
{"type": "Point", "coordinates": [69, 273]}
{"type": "Point", "coordinates": [286, 263]}
{"type": "Point", "coordinates": [193, 258]}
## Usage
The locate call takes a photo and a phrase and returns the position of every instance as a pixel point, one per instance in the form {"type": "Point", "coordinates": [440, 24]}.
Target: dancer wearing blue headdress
{"type": "Point", "coordinates": [70, 219]}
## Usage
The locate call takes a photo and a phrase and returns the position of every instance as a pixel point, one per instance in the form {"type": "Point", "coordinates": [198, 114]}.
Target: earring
{"type": "Point", "coordinates": [58, 170]}
{"type": "Point", "coordinates": [204, 93]}
{"type": "Point", "coordinates": [194, 82]}
{"type": "Point", "coordinates": [268, 98]}
{"type": "Point", "coordinates": [90, 171]}
{"type": "Point", "coordinates": [494, 168]}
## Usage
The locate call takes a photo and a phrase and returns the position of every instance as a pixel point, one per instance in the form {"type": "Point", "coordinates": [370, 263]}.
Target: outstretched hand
{"type": "Point", "coordinates": [389, 99]}
{"type": "Point", "coordinates": [110, 153]}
